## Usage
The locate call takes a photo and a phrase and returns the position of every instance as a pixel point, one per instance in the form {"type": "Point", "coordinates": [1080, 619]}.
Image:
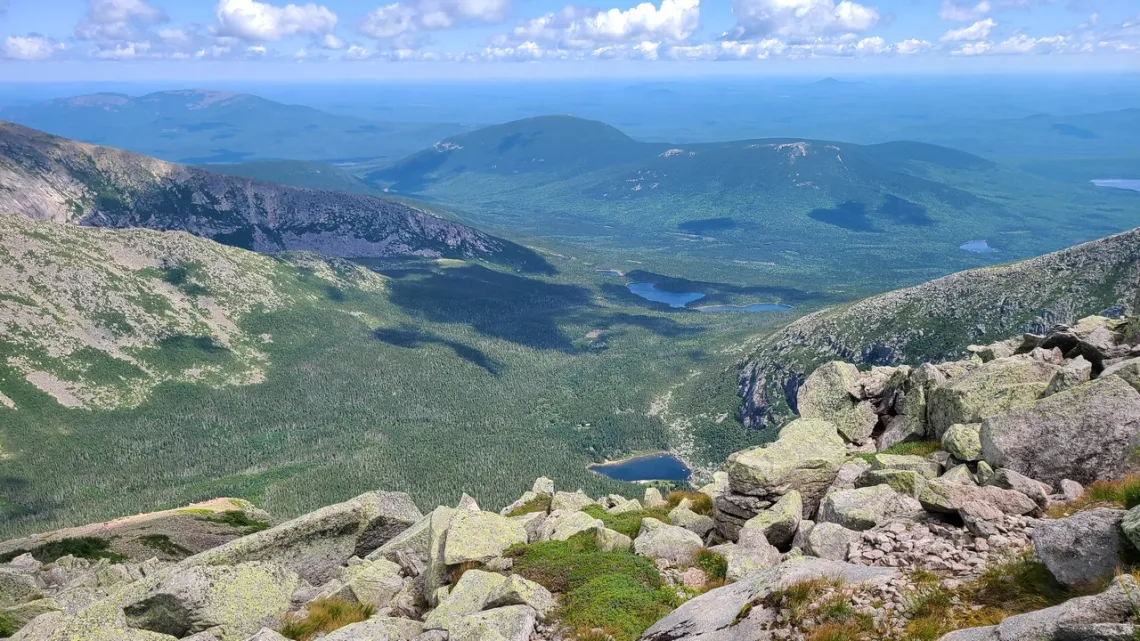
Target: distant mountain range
{"type": "Point", "coordinates": [202, 126]}
{"type": "Point", "coordinates": [44, 177]}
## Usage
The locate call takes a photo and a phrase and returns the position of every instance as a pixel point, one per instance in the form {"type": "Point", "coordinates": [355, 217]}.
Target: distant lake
{"type": "Point", "coordinates": [1131, 184]}
{"type": "Point", "coordinates": [649, 291]}
{"type": "Point", "coordinates": [977, 246]}
{"type": "Point", "coordinates": [757, 307]}
{"type": "Point", "coordinates": [655, 467]}
{"type": "Point", "coordinates": [610, 272]}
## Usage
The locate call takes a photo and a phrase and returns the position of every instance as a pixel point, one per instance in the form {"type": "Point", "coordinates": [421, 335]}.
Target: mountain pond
{"type": "Point", "coordinates": [977, 246]}
{"type": "Point", "coordinates": [653, 467]}
{"type": "Point", "coordinates": [678, 300]}
{"type": "Point", "coordinates": [1131, 184]}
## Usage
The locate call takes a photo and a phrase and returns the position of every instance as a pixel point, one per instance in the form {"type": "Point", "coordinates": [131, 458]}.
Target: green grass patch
{"type": "Point", "coordinates": [561, 566]}
{"type": "Point", "coordinates": [324, 616]}
{"type": "Point", "coordinates": [162, 543]}
{"type": "Point", "coordinates": [7, 626]}
{"type": "Point", "coordinates": [91, 548]}
{"type": "Point", "coordinates": [628, 523]}
{"type": "Point", "coordinates": [540, 503]}
{"type": "Point", "coordinates": [619, 604]}
{"type": "Point", "coordinates": [700, 502]}
{"type": "Point", "coordinates": [714, 565]}
{"type": "Point", "coordinates": [237, 519]}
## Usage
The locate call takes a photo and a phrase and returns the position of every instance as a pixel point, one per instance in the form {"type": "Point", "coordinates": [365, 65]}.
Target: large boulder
{"type": "Point", "coordinates": [805, 457]}
{"type": "Point", "coordinates": [998, 386]}
{"type": "Point", "coordinates": [670, 543]}
{"type": "Point", "coordinates": [519, 591]}
{"type": "Point", "coordinates": [374, 583]}
{"type": "Point", "coordinates": [16, 587]}
{"type": "Point", "coordinates": [963, 441]}
{"type": "Point", "coordinates": [232, 601]}
{"type": "Point", "coordinates": [698, 524]}
{"type": "Point", "coordinates": [1130, 525]}
{"type": "Point", "coordinates": [480, 537]}
{"type": "Point", "coordinates": [911, 422]}
{"type": "Point", "coordinates": [905, 482]}
{"type": "Point", "coordinates": [722, 615]}
{"type": "Point", "coordinates": [1074, 372]}
{"type": "Point", "coordinates": [1087, 433]}
{"type": "Point", "coordinates": [570, 501]}
{"type": "Point", "coordinates": [561, 525]}
{"type": "Point", "coordinates": [941, 495]}
{"type": "Point", "coordinates": [826, 395]}
{"type": "Point", "coordinates": [1011, 480]}
{"type": "Point", "coordinates": [746, 558]}
{"type": "Point", "coordinates": [511, 623]}
{"type": "Point", "coordinates": [1081, 549]}
{"type": "Point", "coordinates": [377, 629]}
{"type": "Point", "coordinates": [830, 541]}
{"type": "Point", "coordinates": [778, 523]}
{"type": "Point", "coordinates": [864, 508]}
{"type": "Point", "coordinates": [317, 544]}
{"type": "Point", "coordinates": [469, 595]}
{"type": "Point", "coordinates": [924, 466]}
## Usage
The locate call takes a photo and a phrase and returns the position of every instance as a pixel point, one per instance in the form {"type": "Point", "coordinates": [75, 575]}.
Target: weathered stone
{"type": "Point", "coordinates": [924, 466]}
{"type": "Point", "coordinates": [22, 614]}
{"type": "Point", "coordinates": [699, 524]}
{"type": "Point", "coordinates": [317, 544]}
{"type": "Point", "coordinates": [864, 508]}
{"type": "Point", "coordinates": [632, 505]}
{"type": "Point", "coordinates": [653, 498]}
{"type": "Point", "coordinates": [963, 441]}
{"type": "Point", "coordinates": [805, 458]}
{"type": "Point", "coordinates": [998, 386]}
{"type": "Point", "coordinates": [511, 623]}
{"type": "Point", "coordinates": [1087, 433]}
{"type": "Point", "coordinates": [1130, 526]}
{"type": "Point", "coordinates": [800, 540]}
{"type": "Point", "coordinates": [1071, 490]}
{"type": "Point", "coordinates": [747, 559]}
{"type": "Point", "coordinates": [233, 601]}
{"type": "Point", "coordinates": [1083, 548]}
{"type": "Point", "coordinates": [480, 537]}
{"type": "Point", "coordinates": [657, 540]}
{"type": "Point", "coordinates": [905, 482]}
{"type": "Point", "coordinates": [988, 633]}
{"type": "Point", "coordinates": [825, 396]}
{"type": "Point", "coordinates": [778, 523]}
{"type": "Point", "coordinates": [374, 583]}
{"type": "Point", "coordinates": [570, 501]}
{"type": "Point", "coordinates": [519, 591]}
{"type": "Point", "coordinates": [993, 351]}
{"type": "Point", "coordinates": [830, 541]}
{"type": "Point", "coordinates": [1073, 372]}
{"type": "Point", "coordinates": [1114, 605]}
{"type": "Point", "coordinates": [469, 596]}
{"type": "Point", "coordinates": [561, 525]}
{"type": "Point", "coordinates": [267, 634]}
{"type": "Point", "coordinates": [948, 497]}
{"type": "Point", "coordinates": [1096, 632]}
{"type": "Point", "coordinates": [467, 503]}
{"type": "Point", "coordinates": [985, 473]}
{"type": "Point", "coordinates": [1011, 480]}
{"type": "Point", "coordinates": [900, 429]}
{"type": "Point", "coordinates": [610, 540]}
{"type": "Point", "coordinates": [377, 629]}
{"type": "Point", "coordinates": [543, 485]}
{"type": "Point", "coordinates": [1127, 371]}
{"type": "Point", "coordinates": [959, 474]}
{"type": "Point", "coordinates": [16, 587]}
{"type": "Point", "coordinates": [532, 523]}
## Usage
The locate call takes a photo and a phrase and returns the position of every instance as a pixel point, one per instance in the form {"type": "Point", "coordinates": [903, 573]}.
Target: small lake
{"type": "Point", "coordinates": [757, 307]}
{"type": "Point", "coordinates": [977, 246]}
{"type": "Point", "coordinates": [1131, 184]}
{"type": "Point", "coordinates": [649, 291]}
{"type": "Point", "coordinates": [655, 467]}
{"type": "Point", "coordinates": [610, 272]}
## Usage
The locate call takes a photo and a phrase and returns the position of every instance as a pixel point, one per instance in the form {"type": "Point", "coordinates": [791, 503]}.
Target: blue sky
{"type": "Point", "coordinates": [330, 39]}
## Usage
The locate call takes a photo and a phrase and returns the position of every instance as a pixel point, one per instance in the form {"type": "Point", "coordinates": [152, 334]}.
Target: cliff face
{"type": "Point", "coordinates": [939, 319]}
{"type": "Point", "coordinates": [44, 177]}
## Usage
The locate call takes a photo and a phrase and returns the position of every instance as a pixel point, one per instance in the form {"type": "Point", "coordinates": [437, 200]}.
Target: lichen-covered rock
{"type": "Point", "coordinates": [316, 544]}
{"type": "Point", "coordinates": [1130, 526]}
{"type": "Point", "coordinates": [805, 457]}
{"type": "Point", "coordinates": [480, 537]}
{"type": "Point", "coordinates": [1083, 548]}
{"type": "Point", "coordinates": [16, 587]}
{"type": "Point", "coordinates": [611, 540]}
{"type": "Point", "coordinates": [519, 591]}
{"type": "Point", "coordinates": [985, 473]}
{"type": "Point", "coordinates": [469, 596]}
{"type": "Point", "coordinates": [1011, 480]}
{"type": "Point", "coordinates": [233, 601]}
{"type": "Point", "coordinates": [960, 474]}
{"type": "Point", "coordinates": [561, 525]}
{"type": "Point", "coordinates": [377, 629]}
{"type": "Point", "coordinates": [511, 623]}
{"type": "Point", "coordinates": [1087, 433]}
{"type": "Point", "coordinates": [995, 387]}
{"type": "Point", "coordinates": [1074, 372]}
{"type": "Point", "coordinates": [698, 524]}
{"type": "Point", "coordinates": [745, 559]}
{"type": "Point", "coordinates": [924, 466]}
{"type": "Point", "coordinates": [864, 508]}
{"type": "Point", "coordinates": [670, 543]}
{"type": "Point", "coordinates": [653, 498]}
{"type": "Point", "coordinates": [267, 634]}
{"type": "Point", "coordinates": [1127, 371]}
{"type": "Point", "coordinates": [543, 486]}
{"type": "Point", "coordinates": [778, 523]}
{"type": "Point", "coordinates": [630, 505]}
{"type": "Point", "coordinates": [830, 541]}
{"type": "Point", "coordinates": [963, 441]}
{"type": "Point", "coordinates": [570, 501]}
{"type": "Point", "coordinates": [825, 395]}
{"type": "Point", "coordinates": [374, 583]}
{"type": "Point", "coordinates": [531, 523]}
{"type": "Point", "coordinates": [906, 482]}
{"type": "Point", "coordinates": [948, 497]}
{"type": "Point", "coordinates": [22, 614]}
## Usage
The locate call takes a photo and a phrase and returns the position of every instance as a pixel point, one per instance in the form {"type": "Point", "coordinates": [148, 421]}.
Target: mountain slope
{"type": "Point", "coordinates": [297, 173]}
{"type": "Point", "coordinates": [938, 319]}
{"type": "Point", "coordinates": [48, 178]}
{"type": "Point", "coordinates": [200, 126]}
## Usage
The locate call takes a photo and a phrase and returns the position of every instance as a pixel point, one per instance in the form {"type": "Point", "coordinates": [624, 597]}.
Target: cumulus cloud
{"type": "Point", "coordinates": [401, 18]}
{"type": "Point", "coordinates": [263, 22]}
{"type": "Point", "coordinates": [965, 10]}
{"type": "Point", "coordinates": [912, 46]}
{"type": "Point", "coordinates": [117, 19]}
{"type": "Point", "coordinates": [980, 30]}
{"type": "Point", "coordinates": [590, 28]}
{"type": "Point", "coordinates": [31, 47]}
{"type": "Point", "coordinates": [799, 19]}
{"type": "Point", "coordinates": [1016, 45]}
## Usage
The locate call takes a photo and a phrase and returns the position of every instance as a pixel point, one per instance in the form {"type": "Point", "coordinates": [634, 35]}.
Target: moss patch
{"type": "Point", "coordinates": [540, 503]}
{"type": "Point", "coordinates": [237, 519]}
{"type": "Point", "coordinates": [87, 547]}
{"type": "Point", "coordinates": [162, 543]}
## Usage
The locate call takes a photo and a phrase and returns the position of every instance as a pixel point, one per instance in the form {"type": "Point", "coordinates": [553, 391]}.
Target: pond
{"type": "Point", "coordinates": [1131, 184]}
{"type": "Point", "coordinates": [757, 307]}
{"type": "Point", "coordinates": [977, 246]}
{"type": "Point", "coordinates": [649, 291]}
{"type": "Point", "coordinates": [654, 467]}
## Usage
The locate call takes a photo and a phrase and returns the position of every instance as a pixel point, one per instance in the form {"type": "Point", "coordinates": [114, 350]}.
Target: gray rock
{"type": "Point", "coordinates": [1071, 489]}
{"type": "Point", "coordinates": [1096, 632]}
{"type": "Point", "coordinates": [778, 524]}
{"type": "Point", "coordinates": [743, 559]}
{"type": "Point", "coordinates": [374, 583]}
{"type": "Point", "coordinates": [267, 634]}
{"type": "Point", "coordinates": [570, 501]}
{"type": "Point", "coordinates": [377, 629]}
{"type": "Point", "coordinates": [981, 518]}
{"type": "Point", "coordinates": [1083, 548]}
{"type": "Point", "coordinates": [698, 524]}
{"type": "Point", "coordinates": [480, 537]}
{"type": "Point", "coordinates": [904, 482]}
{"type": "Point", "coordinates": [1087, 433]}
{"type": "Point", "coordinates": [988, 633]}
{"type": "Point", "coordinates": [511, 623]}
{"type": "Point", "coordinates": [830, 541]}
{"type": "Point", "coordinates": [1130, 526]}
{"type": "Point", "coordinates": [999, 386]}
{"type": "Point", "coordinates": [963, 441]}
{"type": "Point", "coordinates": [653, 498]}
{"type": "Point", "coordinates": [233, 601]}
{"type": "Point", "coordinates": [317, 544]}
{"type": "Point", "coordinates": [947, 497]}
{"type": "Point", "coordinates": [519, 591]}
{"type": "Point", "coordinates": [670, 543]}
{"type": "Point", "coordinates": [1011, 480]}
{"type": "Point", "coordinates": [469, 596]}
{"type": "Point", "coordinates": [825, 395]}
{"type": "Point", "coordinates": [924, 466]}
{"type": "Point", "coordinates": [1073, 373]}
{"type": "Point", "coordinates": [805, 457]}
{"type": "Point", "coordinates": [16, 587]}
{"type": "Point", "coordinates": [800, 540]}
{"type": "Point", "coordinates": [560, 525]}
{"type": "Point", "coordinates": [720, 615]}
{"type": "Point", "coordinates": [1114, 605]}
{"type": "Point", "coordinates": [864, 508]}
{"type": "Point", "coordinates": [543, 485]}
{"type": "Point", "coordinates": [959, 474]}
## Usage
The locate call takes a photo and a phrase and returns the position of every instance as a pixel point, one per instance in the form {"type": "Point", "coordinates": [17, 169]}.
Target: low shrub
{"type": "Point", "coordinates": [91, 548]}
{"type": "Point", "coordinates": [162, 543]}
{"type": "Point", "coordinates": [237, 519]}
{"type": "Point", "coordinates": [701, 503]}
{"type": "Point", "coordinates": [324, 616]}
{"type": "Point", "coordinates": [1124, 493]}
{"type": "Point", "coordinates": [913, 448]}
{"type": "Point", "coordinates": [540, 503]}
{"type": "Point", "coordinates": [824, 593]}
{"type": "Point", "coordinates": [619, 604]}
{"type": "Point", "coordinates": [628, 523]}
{"type": "Point", "coordinates": [561, 566]}
{"type": "Point", "coordinates": [7, 626]}
{"type": "Point", "coordinates": [714, 565]}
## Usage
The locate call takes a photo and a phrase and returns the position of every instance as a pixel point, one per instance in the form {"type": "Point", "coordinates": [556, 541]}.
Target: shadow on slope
{"type": "Point", "coordinates": [410, 338]}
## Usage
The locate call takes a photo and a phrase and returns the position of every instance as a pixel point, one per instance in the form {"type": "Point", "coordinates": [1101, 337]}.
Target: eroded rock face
{"type": "Point", "coordinates": [1083, 548]}
{"type": "Point", "coordinates": [864, 508]}
{"type": "Point", "coordinates": [1087, 433]}
{"type": "Point", "coordinates": [826, 395]}
{"type": "Point", "coordinates": [666, 542]}
{"type": "Point", "coordinates": [993, 388]}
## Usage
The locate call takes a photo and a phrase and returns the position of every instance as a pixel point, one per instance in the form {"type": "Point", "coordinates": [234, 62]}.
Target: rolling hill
{"type": "Point", "coordinates": [202, 126]}
{"type": "Point", "coordinates": [44, 177]}
{"type": "Point", "coordinates": [939, 319]}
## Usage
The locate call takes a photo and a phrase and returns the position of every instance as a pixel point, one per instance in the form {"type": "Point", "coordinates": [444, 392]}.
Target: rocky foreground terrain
{"type": "Point", "coordinates": [987, 499]}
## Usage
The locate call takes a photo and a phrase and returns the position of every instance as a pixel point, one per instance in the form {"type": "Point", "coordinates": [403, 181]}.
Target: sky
{"type": "Point", "coordinates": [45, 40]}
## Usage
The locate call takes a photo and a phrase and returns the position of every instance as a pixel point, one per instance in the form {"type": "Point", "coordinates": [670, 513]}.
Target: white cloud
{"type": "Point", "coordinates": [589, 28]}
{"type": "Point", "coordinates": [401, 18]}
{"type": "Point", "coordinates": [333, 43]}
{"type": "Point", "coordinates": [980, 30]}
{"type": "Point", "coordinates": [972, 49]}
{"type": "Point", "coordinates": [31, 47]}
{"type": "Point", "coordinates": [965, 10]}
{"type": "Point", "coordinates": [122, 51]}
{"type": "Point", "coordinates": [1022, 44]}
{"type": "Point", "coordinates": [799, 19]}
{"type": "Point", "coordinates": [912, 46]}
{"type": "Point", "coordinates": [262, 22]}
{"type": "Point", "coordinates": [117, 19]}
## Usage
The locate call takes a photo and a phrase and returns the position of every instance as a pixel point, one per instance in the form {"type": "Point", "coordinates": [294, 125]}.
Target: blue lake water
{"type": "Point", "coordinates": [649, 291]}
{"type": "Point", "coordinates": [1131, 184]}
{"type": "Point", "coordinates": [977, 246]}
{"type": "Point", "coordinates": [757, 307]}
{"type": "Point", "coordinates": [655, 467]}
